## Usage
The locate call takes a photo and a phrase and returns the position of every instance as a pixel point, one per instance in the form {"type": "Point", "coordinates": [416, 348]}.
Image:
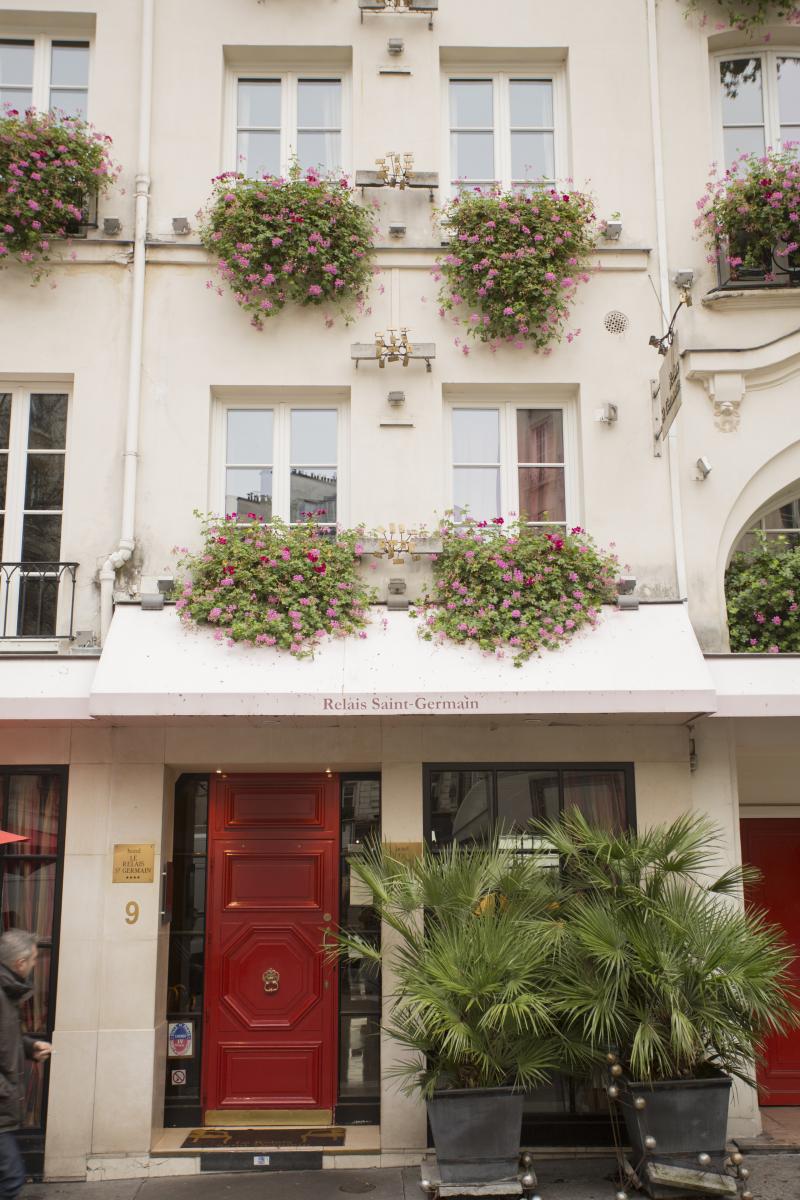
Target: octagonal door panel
{"type": "Point", "coordinates": [271, 998]}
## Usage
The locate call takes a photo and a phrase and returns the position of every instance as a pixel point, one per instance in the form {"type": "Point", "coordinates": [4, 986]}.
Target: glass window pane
{"type": "Point", "coordinates": [476, 435]}
{"type": "Point", "coordinates": [72, 103]}
{"type": "Point", "coordinates": [33, 807]}
{"type": "Point", "coordinates": [35, 1013]}
{"type": "Point", "coordinates": [38, 605]}
{"type": "Point", "coordinates": [185, 974]}
{"type": "Point", "coordinates": [5, 418]}
{"type": "Point", "coordinates": [320, 151]}
{"type": "Point", "coordinates": [740, 80]}
{"type": "Point", "coordinates": [476, 492]}
{"type": "Point", "coordinates": [742, 141]}
{"type": "Point", "coordinates": [41, 539]}
{"type": "Point", "coordinates": [785, 517]}
{"type": "Point", "coordinates": [188, 893]}
{"type": "Point", "coordinates": [790, 133]}
{"type": "Point", "coordinates": [259, 103]}
{"type": "Point", "coordinates": [472, 156]}
{"type": "Point", "coordinates": [540, 435]}
{"type": "Point", "coordinates": [319, 104]}
{"type": "Point", "coordinates": [249, 490]}
{"type": "Point", "coordinates": [191, 816]}
{"type": "Point", "coordinates": [523, 796]}
{"type": "Point", "coordinates": [360, 986]}
{"type": "Point", "coordinates": [471, 103]}
{"type": "Point", "coordinates": [359, 1057]}
{"type": "Point", "coordinates": [28, 896]}
{"type": "Point", "coordinates": [599, 795]}
{"type": "Point", "coordinates": [532, 156]}
{"type": "Point", "coordinates": [69, 65]}
{"type": "Point", "coordinates": [18, 99]}
{"type": "Point", "coordinates": [789, 90]}
{"type": "Point", "coordinates": [249, 436]}
{"type": "Point", "coordinates": [44, 481]}
{"type": "Point", "coordinates": [313, 490]}
{"type": "Point", "coordinates": [541, 494]}
{"type": "Point", "coordinates": [531, 102]}
{"type": "Point", "coordinates": [48, 422]}
{"type": "Point", "coordinates": [3, 479]}
{"type": "Point", "coordinates": [313, 432]}
{"type": "Point", "coordinates": [16, 64]}
{"type": "Point", "coordinates": [258, 154]}
{"type": "Point", "coordinates": [460, 806]}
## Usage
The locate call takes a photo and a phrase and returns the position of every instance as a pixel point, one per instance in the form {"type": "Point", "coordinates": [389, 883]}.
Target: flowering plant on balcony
{"type": "Point", "coordinates": [300, 240]}
{"type": "Point", "coordinates": [515, 262]}
{"type": "Point", "coordinates": [514, 586]}
{"type": "Point", "coordinates": [49, 165]}
{"type": "Point", "coordinates": [751, 214]}
{"type": "Point", "coordinates": [748, 15]}
{"type": "Point", "coordinates": [762, 590]}
{"type": "Point", "coordinates": [275, 585]}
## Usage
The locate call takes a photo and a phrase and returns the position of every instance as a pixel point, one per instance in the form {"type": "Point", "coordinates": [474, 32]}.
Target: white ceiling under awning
{"type": "Point", "coordinates": [756, 685]}
{"type": "Point", "coordinates": [634, 663]}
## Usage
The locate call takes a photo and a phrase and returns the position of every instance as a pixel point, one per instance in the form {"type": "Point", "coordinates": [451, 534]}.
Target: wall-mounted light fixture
{"type": "Point", "coordinates": [181, 226]}
{"type": "Point", "coordinates": [396, 399]}
{"type": "Point", "coordinates": [395, 46]}
{"type": "Point", "coordinates": [397, 229]}
{"type": "Point", "coordinates": [704, 468]}
{"type": "Point", "coordinates": [165, 584]}
{"type": "Point", "coordinates": [612, 228]}
{"type": "Point", "coordinates": [111, 226]}
{"type": "Point", "coordinates": [607, 415]}
{"type": "Point", "coordinates": [626, 586]}
{"type": "Point", "coordinates": [151, 601]}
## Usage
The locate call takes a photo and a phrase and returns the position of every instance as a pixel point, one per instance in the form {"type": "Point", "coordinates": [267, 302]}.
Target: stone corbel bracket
{"type": "Point", "coordinates": [728, 375]}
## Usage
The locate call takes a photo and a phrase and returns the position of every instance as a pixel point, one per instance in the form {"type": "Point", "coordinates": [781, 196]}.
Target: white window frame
{"type": "Point", "coordinates": [501, 109]}
{"type": "Point", "coordinates": [509, 462]}
{"type": "Point", "coordinates": [11, 541]}
{"type": "Point", "coordinates": [281, 407]}
{"type": "Point", "coordinates": [769, 92]}
{"type": "Point", "coordinates": [42, 60]}
{"type": "Point", "coordinates": [288, 134]}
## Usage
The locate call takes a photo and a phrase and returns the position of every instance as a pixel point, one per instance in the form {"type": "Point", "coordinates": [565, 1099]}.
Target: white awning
{"type": "Point", "coordinates": [634, 662]}
{"type": "Point", "coordinates": [756, 685]}
{"type": "Point", "coordinates": [46, 689]}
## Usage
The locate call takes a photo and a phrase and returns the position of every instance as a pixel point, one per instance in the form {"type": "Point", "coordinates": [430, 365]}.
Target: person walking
{"type": "Point", "coordinates": [18, 954]}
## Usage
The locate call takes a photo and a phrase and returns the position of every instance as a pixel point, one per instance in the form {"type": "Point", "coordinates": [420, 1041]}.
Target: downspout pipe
{"type": "Point", "coordinates": [679, 548]}
{"type": "Point", "coordinates": [127, 538]}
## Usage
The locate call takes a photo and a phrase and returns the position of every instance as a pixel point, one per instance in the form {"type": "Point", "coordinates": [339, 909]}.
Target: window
{"type": "Point", "coordinates": [509, 459]}
{"type": "Point", "coordinates": [782, 521]}
{"type": "Point", "coordinates": [759, 97]}
{"type": "Point", "coordinates": [502, 130]}
{"type": "Point", "coordinates": [283, 117]}
{"type": "Point", "coordinates": [33, 439]}
{"type": "Point", "coordinates": [44, 73]}
{"type": "Point", "coordinates": [282, 461]}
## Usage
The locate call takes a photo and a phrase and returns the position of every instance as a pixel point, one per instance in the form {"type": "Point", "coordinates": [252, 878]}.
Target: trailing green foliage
{"type": "Point", "coordinates": [659, 961]}
{"type": "Point", "coordinates": [762, 587]}
{"type": "Point", "coordinates": [749, 15]}
{"type": "Point", "coordinates": [474, 980]}
{"type": "Point", "coordinates": [301, 240]}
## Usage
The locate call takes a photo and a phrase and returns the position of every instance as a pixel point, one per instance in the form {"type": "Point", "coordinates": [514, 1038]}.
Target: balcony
{"type": "Point", "coordinates": [37, 600]}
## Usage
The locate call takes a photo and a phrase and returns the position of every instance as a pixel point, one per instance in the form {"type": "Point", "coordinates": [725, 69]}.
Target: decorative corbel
{"type": "Point", "coordinates": [726, 391]}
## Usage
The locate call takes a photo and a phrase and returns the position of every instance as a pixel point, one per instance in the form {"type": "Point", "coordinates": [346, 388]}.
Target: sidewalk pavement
{"type": "Point", "coordinates": [772, 1177]}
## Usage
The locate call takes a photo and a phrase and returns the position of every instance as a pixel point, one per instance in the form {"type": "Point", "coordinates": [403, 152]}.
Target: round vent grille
{"type": "Point", "coordinates": [616, 322]}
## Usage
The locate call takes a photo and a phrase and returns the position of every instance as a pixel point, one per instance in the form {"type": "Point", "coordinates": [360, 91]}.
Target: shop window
{"type": "Point", "coordinates": [33, 803]}
{"type": "Point", "coordinates": [282, 461]}
{"type": "Point", "coordinates": [285, 118]}
{"type": "Point", "coordinates": [759, 100]}
{"type": "Point", "coordinates": [504, 130]}
{"type": "Point", "coordinates": [465, 804]}
{"type": "Point", "coordinates": [510, 459]}
{"type": "Point", "coordinates": [44, 73]}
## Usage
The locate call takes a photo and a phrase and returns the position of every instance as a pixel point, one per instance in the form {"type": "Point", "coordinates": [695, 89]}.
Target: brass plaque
{"type": "Point", "coordinates": [134, 864]}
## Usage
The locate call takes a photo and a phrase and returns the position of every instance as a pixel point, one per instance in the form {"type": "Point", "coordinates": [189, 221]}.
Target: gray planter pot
{"type": "Point", "coordinates": [687, 1117]}
{"type": "Point", "coordinates": [476, 1132]}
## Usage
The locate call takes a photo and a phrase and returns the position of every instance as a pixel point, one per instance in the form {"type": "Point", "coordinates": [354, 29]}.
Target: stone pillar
{"type": "Point", "coordinates": [403, 1118]}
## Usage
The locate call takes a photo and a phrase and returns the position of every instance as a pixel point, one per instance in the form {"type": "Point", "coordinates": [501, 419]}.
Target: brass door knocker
{"type": "Point", "coordinates": [272, 980]}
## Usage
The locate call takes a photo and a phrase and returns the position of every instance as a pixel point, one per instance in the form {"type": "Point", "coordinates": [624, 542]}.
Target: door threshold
{"type": "Point", "coordinates": [172, 1142]}
{"type": "Point", "coordinates": [267, 1118]}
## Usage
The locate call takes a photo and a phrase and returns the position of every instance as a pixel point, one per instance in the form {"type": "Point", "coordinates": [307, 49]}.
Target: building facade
{"type": "Point", "coordinates": [138, 755]}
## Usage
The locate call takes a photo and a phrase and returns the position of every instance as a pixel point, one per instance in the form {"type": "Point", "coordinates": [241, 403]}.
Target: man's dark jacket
{"type": "Point", "coordinates": [14, 1049]}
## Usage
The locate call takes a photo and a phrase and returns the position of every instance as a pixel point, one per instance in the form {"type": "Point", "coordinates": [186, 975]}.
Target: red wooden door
{"type": "Point", "coordinates": [774, 847]}
{"type": "Point", "coordinates": [271, 996]}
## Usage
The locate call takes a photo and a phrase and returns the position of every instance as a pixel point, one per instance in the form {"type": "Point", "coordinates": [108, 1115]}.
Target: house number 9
{"type": "Point", "coordinates": [131, 912]}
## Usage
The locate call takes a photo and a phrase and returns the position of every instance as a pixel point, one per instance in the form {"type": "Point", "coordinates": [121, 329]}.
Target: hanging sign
{"type": "Point", "coordinates": [134, 864]}
{"type": "Point", "coordinates": [666, 393]}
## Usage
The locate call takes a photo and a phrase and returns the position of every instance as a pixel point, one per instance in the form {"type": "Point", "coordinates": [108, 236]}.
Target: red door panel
{"type": "Point", "coordinates": [774, 847]}
{"type": "Point", "coordinates": [271, 1011]}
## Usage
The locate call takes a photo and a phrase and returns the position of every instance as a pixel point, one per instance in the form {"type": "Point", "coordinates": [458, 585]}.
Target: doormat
{"type": "Point", "coordinates": [236, 1138]}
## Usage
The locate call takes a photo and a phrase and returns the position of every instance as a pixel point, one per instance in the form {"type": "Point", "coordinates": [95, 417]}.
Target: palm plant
{"type": "Point", "coordinates": [661, 964]}
{"type": "Point", "coordinates": [474, 944]}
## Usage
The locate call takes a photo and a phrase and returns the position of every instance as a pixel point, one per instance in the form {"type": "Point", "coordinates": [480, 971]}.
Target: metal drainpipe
{"type": "Point", "coordinates": [663, 279]}
{"type": "Point", "coordinates": [127, 539]}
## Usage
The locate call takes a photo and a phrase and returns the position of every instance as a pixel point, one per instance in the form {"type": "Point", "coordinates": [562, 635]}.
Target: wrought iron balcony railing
{"type": "Point", "coordinates": [779, 270]}
{"type": "Point", "coordinates": [37, 599]}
